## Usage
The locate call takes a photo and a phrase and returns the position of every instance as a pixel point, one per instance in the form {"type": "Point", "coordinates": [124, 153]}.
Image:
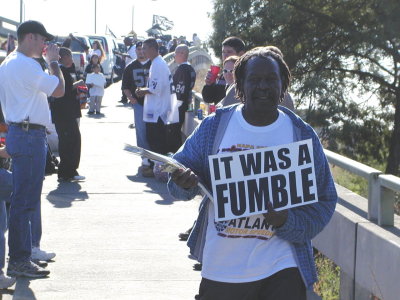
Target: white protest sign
{"type": "Point", "coordinates": [244, 182]}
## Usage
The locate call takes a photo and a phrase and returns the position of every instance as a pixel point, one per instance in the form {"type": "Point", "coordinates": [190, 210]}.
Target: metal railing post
{"type": "Point", "coordinates": [389, 185]}
{"type": "Point", "coordinates": [374, 195]}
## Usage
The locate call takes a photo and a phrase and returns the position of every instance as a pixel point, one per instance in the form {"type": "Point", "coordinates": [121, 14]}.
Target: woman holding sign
{"type": "Point", "coordinates": [271, 184]}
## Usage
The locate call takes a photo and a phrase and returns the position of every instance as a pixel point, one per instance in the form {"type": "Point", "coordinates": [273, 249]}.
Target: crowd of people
{"type": "Point", "coordinates": [254, 111]}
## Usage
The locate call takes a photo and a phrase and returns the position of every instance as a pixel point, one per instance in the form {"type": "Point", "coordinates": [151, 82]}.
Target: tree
{"type": "Point", "coordinates": [339, 51]}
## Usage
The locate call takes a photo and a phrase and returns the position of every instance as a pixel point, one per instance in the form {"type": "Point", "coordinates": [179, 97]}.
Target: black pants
{"type": "Point", "coordinates": [156, 134]}
{"type": "Point", "coordinates": [69, 147]}
{"type": "Point", "coordinates": [283, 285]}
{"type": "Point", "coordinates": [174, 131]}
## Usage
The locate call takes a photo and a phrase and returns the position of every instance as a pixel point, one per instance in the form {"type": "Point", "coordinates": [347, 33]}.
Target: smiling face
{"type": "Point", "coordinates": [228, 72]}
{"type": "Point", "coordinates": [262, 87]}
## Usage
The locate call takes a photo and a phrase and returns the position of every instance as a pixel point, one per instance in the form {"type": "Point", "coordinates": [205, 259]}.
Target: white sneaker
{"type": "Point", "coordinates": [6, 282]}
{"type": "Point", "coordinates": [42, 255]}
{"type": "Point", "coordinates": [78, 177]}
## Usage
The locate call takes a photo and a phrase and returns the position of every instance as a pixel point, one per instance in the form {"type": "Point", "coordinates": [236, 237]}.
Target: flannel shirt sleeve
{"type": "Point", "coordinates": [192, 155]}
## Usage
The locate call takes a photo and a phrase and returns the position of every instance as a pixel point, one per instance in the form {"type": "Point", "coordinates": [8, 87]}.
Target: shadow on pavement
{"type": "Point", "coordinates": [66, 193]}
{"type": "Point", "coordinates": [155, 186]}
{"type": "Point", "coordinates": [22, 289]}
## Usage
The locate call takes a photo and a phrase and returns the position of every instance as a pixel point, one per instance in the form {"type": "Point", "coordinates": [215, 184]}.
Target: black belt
{"type": "Point", "coordinates": [28, 126]}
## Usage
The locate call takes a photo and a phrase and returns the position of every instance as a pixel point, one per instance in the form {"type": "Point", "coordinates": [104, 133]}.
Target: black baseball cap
{"type": "Point", "coordinates": [34, 27]}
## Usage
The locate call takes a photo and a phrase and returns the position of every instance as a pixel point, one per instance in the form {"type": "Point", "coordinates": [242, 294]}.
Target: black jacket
{"type": "Point", "coordinates": [215, 92]}
{"type": "Point", "coordinates": [66, 107]}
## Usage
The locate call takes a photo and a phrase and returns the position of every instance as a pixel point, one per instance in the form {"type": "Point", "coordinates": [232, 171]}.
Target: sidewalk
{"type": "Point", "coordinates": [115, 234]}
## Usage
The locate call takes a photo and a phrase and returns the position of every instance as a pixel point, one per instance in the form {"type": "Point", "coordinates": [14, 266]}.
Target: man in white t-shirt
{"type": "Point", "coordinates": [157, 101]}
{"type": "Point", "coordinates": [261, 256]}
{"type": "Point", "coordinates": [24, 88]}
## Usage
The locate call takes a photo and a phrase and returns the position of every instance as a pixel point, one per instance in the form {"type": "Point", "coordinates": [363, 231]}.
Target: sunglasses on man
{"type": "Point", "coordinates": [226, 71]}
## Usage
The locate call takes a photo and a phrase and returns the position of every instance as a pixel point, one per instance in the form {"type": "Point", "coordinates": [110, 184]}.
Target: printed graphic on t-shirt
{"type": "Point", "coordinates": [255, 226]}
{"type": "Point", "coordinates": [140, 77]}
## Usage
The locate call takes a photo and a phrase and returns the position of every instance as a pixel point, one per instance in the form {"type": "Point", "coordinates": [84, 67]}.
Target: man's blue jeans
{"type": "Point", "coordinates": [28, 153]}
{"type": "Point", "coordinates": [140, 126]}
{"type": "Point", "coordinates": [5, 194]}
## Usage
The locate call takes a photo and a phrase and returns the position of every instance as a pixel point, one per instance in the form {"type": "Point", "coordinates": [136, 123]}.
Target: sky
{"type": "Point", "coordinates": [61, 17]}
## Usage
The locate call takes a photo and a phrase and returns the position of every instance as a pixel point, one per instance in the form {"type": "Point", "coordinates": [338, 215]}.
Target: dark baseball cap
{"type": "Point", "coordinates": [34, 27]}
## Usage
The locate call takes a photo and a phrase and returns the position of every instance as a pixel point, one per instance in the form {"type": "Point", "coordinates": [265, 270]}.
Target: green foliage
{"type": "Point", "coordinates": [338, 51]}
{"type": "Point", "coordinates": [350, 181]}
{"type": "Point", "coordinates": [329, 278]}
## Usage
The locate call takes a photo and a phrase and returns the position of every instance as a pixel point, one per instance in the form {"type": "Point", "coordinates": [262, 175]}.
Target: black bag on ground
{"type": "Point", "coordinates": [51, 162]}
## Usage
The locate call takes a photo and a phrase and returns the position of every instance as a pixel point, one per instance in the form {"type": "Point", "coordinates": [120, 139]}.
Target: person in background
{"type": "Point", "coordinates": [94, 60]}
{"type": "Point", "coordinates": [97, 49]}
{"type": "Point", "coordinates": [162, 50]}
{"type": "Point", "coordinates": [24, 88]}
{"type": "Point", "coordinates": [174, 44]}
{"type": "Point", "coordinates": [65, 111]}
{"type": "Point", "coordinates": [129, 57]}
{"type": "Point", "coordinates": [10, 46]}
{"type": "Point", "coordinates": [183, 80]}
{"type": "Point", "coordinates": [196, 40]}
{"type": "Point", "coordinates": [275, 263]}
{"type": "Point", "coordinates": [157, 101]}
{"type": "Point", "coordinates": [214, 92]}
{"type": "Point", "coordinates": [96, 82]}
{"type": "Point", "coordinates": [135, 76]}
{"type": "Point", "coordinates": [5, 196]}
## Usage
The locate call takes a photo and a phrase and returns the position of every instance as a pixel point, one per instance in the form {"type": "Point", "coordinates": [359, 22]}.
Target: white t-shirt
{"type": "Point", "coordinates": [158, 103]}
{"type": "Point", "coordinates": [95, 52]}
{"type": "Point", "coordinates": [24, 88]}
{"type": "Point", "coordinates": [98, 81]}
{"type": "Point", "coordinates": [132, 54]}
{"type": "Point", "coordinates": [246, 249]}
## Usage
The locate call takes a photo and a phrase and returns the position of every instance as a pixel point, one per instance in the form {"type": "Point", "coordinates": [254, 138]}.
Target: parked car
{"type": "Point", "coordinates": [110, 45]}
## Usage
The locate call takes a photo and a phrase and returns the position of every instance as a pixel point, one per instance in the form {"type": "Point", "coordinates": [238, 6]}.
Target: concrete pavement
{"type": "Point", "coordinates": [115, 234]}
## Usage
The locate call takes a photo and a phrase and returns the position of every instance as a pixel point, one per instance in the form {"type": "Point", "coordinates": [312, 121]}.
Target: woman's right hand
{"type": "Point", "coordinates": [208, 78]}
{"type": "Point", "coordinates": [185, 178]}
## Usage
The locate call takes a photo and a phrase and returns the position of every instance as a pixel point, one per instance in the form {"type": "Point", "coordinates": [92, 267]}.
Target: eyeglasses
{"type": "Point", "coordinates": [226, 71]}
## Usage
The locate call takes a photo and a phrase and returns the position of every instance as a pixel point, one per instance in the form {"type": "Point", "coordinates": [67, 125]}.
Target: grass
{"type": "Point", "coordinates": [328, 284]}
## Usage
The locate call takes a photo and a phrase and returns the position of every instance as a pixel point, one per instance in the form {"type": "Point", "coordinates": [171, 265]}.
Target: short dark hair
{"type": "Point", "coordinates": [64, 52]}
{"type": "Point", "coordinates": [262, 52]}
{"type": "Point", "coordinates": [234, 42]}
{"type": "Point", "coordinates": [152, 43]}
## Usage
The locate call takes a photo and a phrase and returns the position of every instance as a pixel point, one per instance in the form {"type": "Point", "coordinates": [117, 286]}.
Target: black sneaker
{"type": "Point", "coordinates": [40, 263]}
{"type": "Point", "coordinates": [65, 179]}
{"type": "Point", "coordinates": [26, 269]}
{"type": "Point", "coordinates": [90, 112]}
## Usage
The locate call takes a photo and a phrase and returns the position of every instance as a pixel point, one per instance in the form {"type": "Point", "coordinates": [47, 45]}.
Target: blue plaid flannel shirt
{"type": "Point", "coordinates": [303, 223]}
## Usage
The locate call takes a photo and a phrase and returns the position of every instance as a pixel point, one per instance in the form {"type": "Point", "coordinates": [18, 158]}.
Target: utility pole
{"type": "Point", "coordinates": [21, 9]}
{"type": "Point", "coordinates": [133, 14]}
{"type": "Point", "coordinates": [95, 15]}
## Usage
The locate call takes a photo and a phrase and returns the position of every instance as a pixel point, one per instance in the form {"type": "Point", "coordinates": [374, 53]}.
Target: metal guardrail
{"type": "Point", "coordinates": [11, 27]}
{"type": "Point", "coordinates": [382, 188]}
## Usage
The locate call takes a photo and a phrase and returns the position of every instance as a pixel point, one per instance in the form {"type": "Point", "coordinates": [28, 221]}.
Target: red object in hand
{"type": "Point", "coordinates": [214, 72]}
